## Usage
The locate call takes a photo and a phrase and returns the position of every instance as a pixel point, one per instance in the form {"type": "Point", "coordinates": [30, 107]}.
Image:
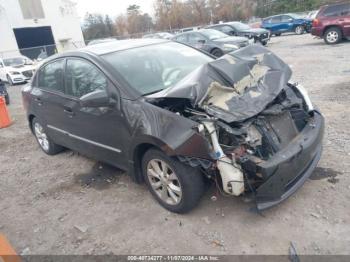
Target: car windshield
{"type": "Point", "coordinates": [241, 26]}
{"type": "Point", "coordinates": [16, 61]}
{"type": "Point", "coordinates": [152, 68]}
{"type": "Point", "coordinates": [213, 34]}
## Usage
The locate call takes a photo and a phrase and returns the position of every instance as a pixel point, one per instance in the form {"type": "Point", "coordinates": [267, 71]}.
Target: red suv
{"type": "Point", "coordinates": [332, 23]}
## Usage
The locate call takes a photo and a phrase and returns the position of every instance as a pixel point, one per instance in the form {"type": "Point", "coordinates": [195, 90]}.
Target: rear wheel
{"type": "Point", "coordinates": [44, 141]}
{"type": "Point", "coordinates": [176, 186]}
{"type": "Point", "coordinates": [333, 36]}
{"type": "Point", "coordinates": [299, 30]}
{"type": "Point", "coordinates": [217, 53]}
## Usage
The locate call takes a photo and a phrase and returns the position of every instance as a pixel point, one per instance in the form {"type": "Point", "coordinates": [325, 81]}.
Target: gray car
{"type": "Point", "coordinates": [239, 29]}
{"type": "Point", "coordinates": [212, 41]}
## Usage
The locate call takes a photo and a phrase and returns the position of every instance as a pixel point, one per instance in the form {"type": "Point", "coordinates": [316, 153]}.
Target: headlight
{"type": "Point", "coordinates": [230, 47]}
{"type": "Point", "coordinates": [14, 73]}
{"type": "Point", "coordinates": [306, 97]}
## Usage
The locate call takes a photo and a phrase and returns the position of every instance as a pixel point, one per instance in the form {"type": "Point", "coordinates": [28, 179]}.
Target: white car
{"type": "Point", "coordinates": [16, 70]}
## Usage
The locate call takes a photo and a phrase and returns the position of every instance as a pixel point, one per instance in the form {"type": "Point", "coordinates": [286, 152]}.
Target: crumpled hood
{"type": "Point", "coordinates": [235, 87]}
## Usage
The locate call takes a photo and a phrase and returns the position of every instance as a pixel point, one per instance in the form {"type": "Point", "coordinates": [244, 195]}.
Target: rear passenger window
{"type": "Point", "coordinates": [51, 77]}
{"type": "Point", "coordinates": [337, 10]}
{"type": "Point", "coordinates": [276, 19]}
{"type": "Point", "coordinates": [83, 78]}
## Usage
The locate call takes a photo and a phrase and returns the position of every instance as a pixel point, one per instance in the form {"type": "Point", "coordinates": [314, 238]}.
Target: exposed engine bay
{"type": "Point", "coordinates": [252, 117]}
{"type": "Point", "coordinates": [240, 147]}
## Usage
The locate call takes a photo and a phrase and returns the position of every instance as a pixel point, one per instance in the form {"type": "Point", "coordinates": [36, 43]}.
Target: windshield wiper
{"type": "Point", "coordinates": [153, 92]}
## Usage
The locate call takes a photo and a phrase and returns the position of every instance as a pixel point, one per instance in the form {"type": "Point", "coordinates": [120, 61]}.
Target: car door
{"type": "Point", "coordinates": [48, 95]}
{"type": "Point", "coordinates": [287, 24]}
{"type": "Point", "coordinates": [199, 41]}
{"type": "Point", "coordinates": [99, 132]}
{"type": "Point", "coordinates": [276, 25]}
{"type": "Point", "coordinates": [344, 20]}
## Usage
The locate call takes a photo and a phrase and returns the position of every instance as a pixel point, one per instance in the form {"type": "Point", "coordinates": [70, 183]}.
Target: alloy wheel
{"type": "Point", "coordinates": [41, 137]}
{"type": "Point", "coordinates": [164, 182]}
{"type": "Point", "coordinates": [332, 36]}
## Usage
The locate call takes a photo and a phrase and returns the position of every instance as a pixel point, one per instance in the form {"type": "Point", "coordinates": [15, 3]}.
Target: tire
{"type": "Point", "coordinates": [278, 34]}
{"type": "Point", "coordinates": [44, 141]}
{"type": "Point", "coordinates": [9, 80]}
{"type": "Point", "coordinates": [217, 52]}
{"type": "Point", "coordinates": [333, 36]}
{"type": "Point", "coordinates": [299, 30]}
{"type": "Point", "coordinates": [264, 43]}
{"type": "Point", "coordinates": [180, 190]}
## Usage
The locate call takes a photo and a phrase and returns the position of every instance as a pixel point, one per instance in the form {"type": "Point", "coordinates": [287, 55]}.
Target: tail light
{"type": "Point", "coordinates": [315, 23]}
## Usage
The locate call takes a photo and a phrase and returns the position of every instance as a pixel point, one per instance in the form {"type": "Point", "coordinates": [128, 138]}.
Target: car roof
{"type": "Point", "coordinates": [111, 47]}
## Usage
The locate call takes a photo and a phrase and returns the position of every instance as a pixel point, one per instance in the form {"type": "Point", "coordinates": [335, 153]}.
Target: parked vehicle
{"type": "Point", "coordinates": [16, 70]}
{"type": "Point", "coordinates": [161, 35]}
{"type": "Point", "coordinates": [175, 118]}
{"type": "Point", "coordinates": [239, 29]}
{"type": "Point", "coordinates": [4, 93]}
{"type": "Point", "coordinates": [279, 24]}
{"type": "Point", "coordinates": [332, 23]}
{"type": "Point", "coordinates": [212, 41]}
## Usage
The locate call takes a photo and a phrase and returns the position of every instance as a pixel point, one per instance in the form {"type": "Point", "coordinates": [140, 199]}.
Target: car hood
{"type": "Point", "coordinates": [256, 31]}
{"type": "Point", "coordinates": [235, 87]}
{"type": "Point", "coordinates": [230, 39]}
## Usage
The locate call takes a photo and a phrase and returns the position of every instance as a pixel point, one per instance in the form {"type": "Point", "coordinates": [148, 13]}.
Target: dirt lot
{"type": "Point", "coordinates": [69, 204]}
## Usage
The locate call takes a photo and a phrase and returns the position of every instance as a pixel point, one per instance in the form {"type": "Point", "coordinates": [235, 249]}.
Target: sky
{"type": "Point", "coordinates": [111, 7]}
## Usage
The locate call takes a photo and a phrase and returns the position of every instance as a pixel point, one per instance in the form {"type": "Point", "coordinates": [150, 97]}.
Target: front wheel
{"type": "Point", "coordinates": [299, 30]}
{"type": "Point", "coordinates": [333, 36]}
{"type": "Point", "coordinates": [176, 186]}
{"type": "Point", "coordinates": [217, 53]}
{"type": "Point", "coordinates": [44, 141]}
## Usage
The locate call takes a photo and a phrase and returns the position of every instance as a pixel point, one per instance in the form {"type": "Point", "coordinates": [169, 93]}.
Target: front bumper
{"type": "Point", "coordinates": [316, 31]}
{"type": "Point", "coordinates": [288, 170]}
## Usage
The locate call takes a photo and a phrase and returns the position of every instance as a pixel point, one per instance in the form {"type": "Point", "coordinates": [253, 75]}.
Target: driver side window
{"type": "Point", "coordinates": [195, 38]}
{"type": "Point", "coordinates": [83, 78]}
{"type": "Point", "coordinates": [227, 29]}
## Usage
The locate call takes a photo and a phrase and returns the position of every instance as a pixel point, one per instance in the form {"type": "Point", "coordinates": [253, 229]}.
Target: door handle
{"type": "Point", "coordinates": [69, 112]}
{"type": "Point", "coordinates": [38, 100]}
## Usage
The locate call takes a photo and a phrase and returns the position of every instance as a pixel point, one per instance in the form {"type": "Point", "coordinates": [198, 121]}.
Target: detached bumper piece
{"type": "Point", "coordinates": [288, 170]}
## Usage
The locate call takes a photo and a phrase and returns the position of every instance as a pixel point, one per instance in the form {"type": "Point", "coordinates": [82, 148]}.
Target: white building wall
{"type": "Point", "coordinates": [61, 15]}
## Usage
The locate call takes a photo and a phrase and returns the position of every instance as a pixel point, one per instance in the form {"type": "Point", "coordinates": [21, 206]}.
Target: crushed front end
{"type": "Point", "coordinates": [264, 135]}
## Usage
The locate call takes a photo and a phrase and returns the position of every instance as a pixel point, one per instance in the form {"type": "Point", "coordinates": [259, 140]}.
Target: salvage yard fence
{"type": "Point", "coordinates": [39, 53]}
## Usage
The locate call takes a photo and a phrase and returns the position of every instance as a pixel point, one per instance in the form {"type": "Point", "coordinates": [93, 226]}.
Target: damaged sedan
{"type": "Point", "coordinates": [176, 119]}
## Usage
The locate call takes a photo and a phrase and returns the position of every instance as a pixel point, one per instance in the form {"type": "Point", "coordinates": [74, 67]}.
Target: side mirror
{"type": "Point", "coordinates": [98, 98]}
{"type": "Point", "coordinates": [201, 41]}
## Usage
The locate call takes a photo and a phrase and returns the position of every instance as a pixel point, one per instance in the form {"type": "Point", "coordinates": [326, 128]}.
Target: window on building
{"type": "Point", "coordinates": [32, 9]}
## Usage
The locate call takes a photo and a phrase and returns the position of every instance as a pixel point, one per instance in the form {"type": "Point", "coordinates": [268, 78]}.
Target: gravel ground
{"type": "Point", "coordinates": [69, 204]}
